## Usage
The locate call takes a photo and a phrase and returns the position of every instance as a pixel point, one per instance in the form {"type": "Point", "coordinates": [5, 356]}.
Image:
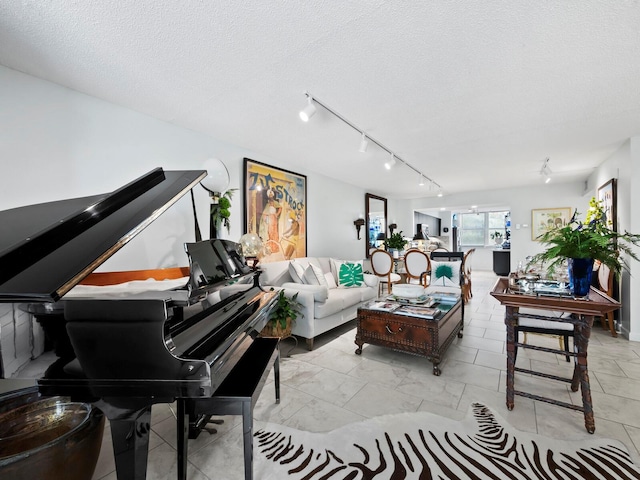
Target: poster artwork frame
{"type": "Point", "coordinates": [275, 208]}
{"type": "Point", "coordinates": [541, 217]}
{"type": "Point", "coordinates": [607, 194]}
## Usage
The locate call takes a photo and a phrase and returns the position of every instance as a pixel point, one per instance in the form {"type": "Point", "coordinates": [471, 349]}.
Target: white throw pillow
{"type": "Point", "coordinates": [296, 271]}
{"type": "Point", "coordinates": [445, 274]}
{"type": "Point", "coordinates": [314, 276]}
{"type": "Point", "coordinates": [331, 282]}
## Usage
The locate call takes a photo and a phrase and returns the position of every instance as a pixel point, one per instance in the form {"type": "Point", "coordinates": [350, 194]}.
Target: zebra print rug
{"type": "Point", "coordinates": [424, 446]}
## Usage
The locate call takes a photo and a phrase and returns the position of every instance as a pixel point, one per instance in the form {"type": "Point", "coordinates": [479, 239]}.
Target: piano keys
{"type": "Point", "coordinates": [126, 351]}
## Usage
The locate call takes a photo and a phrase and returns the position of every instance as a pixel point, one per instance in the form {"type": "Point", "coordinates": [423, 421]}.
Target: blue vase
{"type": "Point", "coordinates": [580, 270]}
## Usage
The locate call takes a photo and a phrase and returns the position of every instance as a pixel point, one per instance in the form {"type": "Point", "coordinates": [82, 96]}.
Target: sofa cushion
{"type": "Point", "coordinates": [340, 299]}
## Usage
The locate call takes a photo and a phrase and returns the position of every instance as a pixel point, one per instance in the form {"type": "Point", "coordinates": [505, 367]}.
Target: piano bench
{"type": "Point", "coordinates": [236, 395]}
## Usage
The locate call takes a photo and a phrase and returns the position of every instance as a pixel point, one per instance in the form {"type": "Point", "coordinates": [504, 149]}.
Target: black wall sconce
{"type": "Point", "coordinates": [392, 227]}
{"type": "Point", "coordinates": [359, 223]}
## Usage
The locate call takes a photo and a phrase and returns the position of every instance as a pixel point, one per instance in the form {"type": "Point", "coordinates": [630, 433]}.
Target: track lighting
{"type": "Point", "coordinates": [440, 192]}
{"type": "Point", "coordinates": [390, 163]}
{"type": "Point", "coordinates": [309, 111]}
{"type": "Point", "coordinates": [545, 171]}
{"type": "Point", "coordinates": [363, 143]}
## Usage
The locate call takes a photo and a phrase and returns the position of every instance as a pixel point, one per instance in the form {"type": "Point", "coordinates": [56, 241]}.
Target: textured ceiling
{"type": "Point", "coordinates": [474, 94]}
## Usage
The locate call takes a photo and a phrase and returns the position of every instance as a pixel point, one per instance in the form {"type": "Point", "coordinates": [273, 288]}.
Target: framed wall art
{"type": "Point", "coordinates": [275, 208]}
{"type": "Point", "coordinates": [607, 195]}
{"type": "Point", "coordinates": [545, 219]}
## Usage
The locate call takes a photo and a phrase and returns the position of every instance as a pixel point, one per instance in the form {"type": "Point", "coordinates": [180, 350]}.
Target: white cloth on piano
{"type": "Point", "coordinates": [127, 288]}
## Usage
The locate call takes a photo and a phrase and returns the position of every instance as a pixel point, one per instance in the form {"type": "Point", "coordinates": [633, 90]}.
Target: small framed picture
{"type": "Point", "coordinates": [545, 219]}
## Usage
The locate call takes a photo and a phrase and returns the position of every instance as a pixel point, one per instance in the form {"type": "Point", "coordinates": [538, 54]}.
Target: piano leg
{"type": "Point", "coordinates": [130, 438]}
{"type": "Point", "coordinates": [183, 434]}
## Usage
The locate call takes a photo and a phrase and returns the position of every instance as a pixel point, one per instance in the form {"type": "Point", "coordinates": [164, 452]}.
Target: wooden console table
{"type": "Point", "coordinates": [427, 337]}
{"type": "Point", "coordinates": [582, 313]}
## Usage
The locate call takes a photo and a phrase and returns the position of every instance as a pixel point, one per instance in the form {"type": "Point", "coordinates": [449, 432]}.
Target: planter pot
{"type": "Point", "coordinates": [48, 438]}
{"type": "Point", "coordinates": [580, 270]}
{"type": "Point", "coordinates": [273, 329]}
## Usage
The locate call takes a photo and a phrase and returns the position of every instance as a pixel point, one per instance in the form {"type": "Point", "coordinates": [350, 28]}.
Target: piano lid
{"type": "Point", "coordinates": [47, 249]}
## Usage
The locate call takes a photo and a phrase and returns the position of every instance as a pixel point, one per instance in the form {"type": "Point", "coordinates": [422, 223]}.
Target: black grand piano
{"type": "Point", "coordinates": [124, 353]}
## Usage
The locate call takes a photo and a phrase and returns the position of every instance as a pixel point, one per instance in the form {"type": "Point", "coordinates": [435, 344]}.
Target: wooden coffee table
{"type": "Point", "coordinates": [420, 336]}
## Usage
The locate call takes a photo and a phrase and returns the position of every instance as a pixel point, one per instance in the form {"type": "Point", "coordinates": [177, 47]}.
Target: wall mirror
{"type": "Point", "coordinates": [376, 215]}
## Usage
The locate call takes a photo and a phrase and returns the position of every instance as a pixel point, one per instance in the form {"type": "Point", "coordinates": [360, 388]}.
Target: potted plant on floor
{"type": "Point", "coordinates": [282, 316]}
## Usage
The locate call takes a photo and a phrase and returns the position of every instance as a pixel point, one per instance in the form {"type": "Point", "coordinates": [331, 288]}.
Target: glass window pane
{"type": "Point", "coordinates": [472, 220]}
{"type": "Point", "coordinates": [496, 220]}
{"type": "Point", "coordinates": [472, 237]}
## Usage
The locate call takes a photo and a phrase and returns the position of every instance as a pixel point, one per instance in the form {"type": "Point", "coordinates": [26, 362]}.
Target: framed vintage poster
{"type": "Point", "coordinates": [275, 208]}
{"type": "Point", "coordinates": [545, 219]}
{"type": "Point", "coordinates": [607, 195]}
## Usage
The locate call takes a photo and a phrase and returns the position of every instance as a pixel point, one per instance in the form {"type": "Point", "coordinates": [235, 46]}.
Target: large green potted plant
{"type": "Point", "coordinates": [282, 316]}
{"type": "Point", "coordinates": [581, 243]}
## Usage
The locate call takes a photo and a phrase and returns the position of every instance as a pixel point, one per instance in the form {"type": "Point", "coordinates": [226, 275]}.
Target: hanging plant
{"type": "Point", "coordinates": [220, 211]}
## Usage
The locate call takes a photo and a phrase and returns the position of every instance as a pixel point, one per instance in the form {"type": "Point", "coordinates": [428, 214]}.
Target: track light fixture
{"type": "Point", "coordinates": [310, 109]}
{"type": "Point", "coordinates": [363, 143]}
{"type": "Point", "coordinates": [390, 163]}
{"type": "Point", "coordinates": [545, 171]}
{"type": "Point", "coordinates": [440, 192]}
{"type": "Point", "coordinates": [421, 183]}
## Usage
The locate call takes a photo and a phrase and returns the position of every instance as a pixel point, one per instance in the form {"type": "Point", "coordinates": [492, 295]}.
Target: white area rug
{"type": "Point", "coordinates": [425, 446]}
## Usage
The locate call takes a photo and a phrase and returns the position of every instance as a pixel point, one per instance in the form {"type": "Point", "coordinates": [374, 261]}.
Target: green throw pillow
{"type": "Point", "coordinates": [350, 275]}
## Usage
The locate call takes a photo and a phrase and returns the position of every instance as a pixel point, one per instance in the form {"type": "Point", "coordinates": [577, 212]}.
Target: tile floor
{"type": "Point", "coordinates": [331, 386]}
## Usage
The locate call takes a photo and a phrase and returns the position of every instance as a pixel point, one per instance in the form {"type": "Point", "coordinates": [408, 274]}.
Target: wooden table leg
{"type": "Point", "coordinates": [510, 322]}
{"type": "Point", "coordinates": [583, 333]}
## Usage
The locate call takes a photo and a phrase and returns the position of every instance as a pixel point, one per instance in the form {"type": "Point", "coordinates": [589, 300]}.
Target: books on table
{"type": "Point", "coordinates": [383, 306]}
{"type": "Point", "coordinates": [419, 311]}
{"type": "Point", "coordinates": [445, 297]}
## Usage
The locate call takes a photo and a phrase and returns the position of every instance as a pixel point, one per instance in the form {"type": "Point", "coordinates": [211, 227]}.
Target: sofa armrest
{"type": "Point", "coordinates": [371, 280]}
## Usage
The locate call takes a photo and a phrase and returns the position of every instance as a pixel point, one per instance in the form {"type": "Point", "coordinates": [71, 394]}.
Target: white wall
{"type": "Point", "coordinates": [624, 166]}
{"type": "Point", "coordinates": [57, 143]}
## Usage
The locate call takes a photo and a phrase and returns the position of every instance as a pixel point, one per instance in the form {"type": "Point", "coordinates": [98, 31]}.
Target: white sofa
{"type": "Point", "coordinates": [324, 305]}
